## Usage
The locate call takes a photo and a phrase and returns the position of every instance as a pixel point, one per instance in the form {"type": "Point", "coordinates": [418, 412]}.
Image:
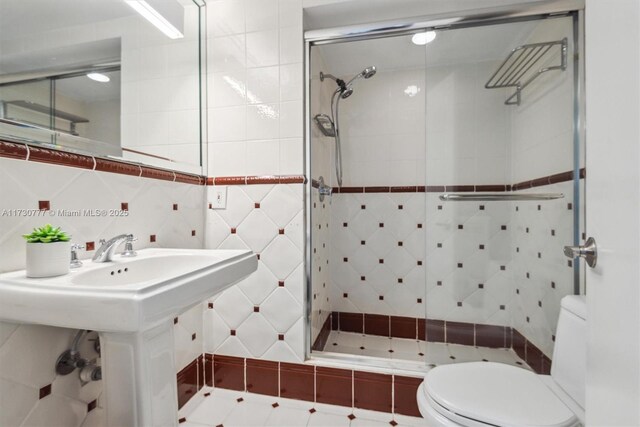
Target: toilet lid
{"type": "Point", "coordinates": [496, 394]}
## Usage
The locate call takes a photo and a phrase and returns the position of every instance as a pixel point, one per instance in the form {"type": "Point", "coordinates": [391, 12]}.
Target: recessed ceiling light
{"type": "Point", "coordinates": [98, 77]}
{"type": "Point", "coordinates": [423, 38]}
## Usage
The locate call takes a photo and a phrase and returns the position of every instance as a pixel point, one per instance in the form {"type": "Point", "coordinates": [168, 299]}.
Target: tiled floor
{"type": "Point", "coordinates": [417, 351]}
{"type": "Point", "coordinates": [230, 408]}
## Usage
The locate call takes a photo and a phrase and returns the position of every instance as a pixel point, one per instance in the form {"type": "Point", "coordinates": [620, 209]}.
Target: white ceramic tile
{"type": "Point", "coordinates": [249, 414]}
{"type": "Point", "coordinates": [261, 15]}
{"type": "Point", "coordinates": [291, 44]}
{"type": "Point", "coordinates": [233, 307]}
{"type": "Point", "coordinates": [291, 82]}
{"type": "Point", "coordinates": [226, 53]}
{"type": "Point", "coordinates": [262, 121]}
{"type": "Point", "coordinates": [291, 121]}
{"type": "Point", "coordinates": [281, 309]}
{"type": "Point", "coordinates": [214, 408]}
{"type": "Point", "coordinates": [283, 416]}
{"type": "Point", "coordinates": [228, 88]}
{"type": "Point", "coordinates": [262, 48]}
{"type": "Point", "coordinates": [263, 157]}
{"type": "Point", "coordinates": [19, 398]}
{"type": "Point", "coordinates": [95, 418]}
{"type": "Point", "coordinates": [262, 85]}
{"type": "Point", "coordinates": [281, 256]}
{"type": "Point", "coordinates": [47, 412]}
{"type": "Point", "coordinates": [290, 12]}
{"type": "Point", "coordinates": [227, 124]}
{"type": "Point", "coordinates": [28, 354]}
{"type": "Point", "coordinates": [257, 334]}
{"type": "Point", "coordinates": [225, 17]}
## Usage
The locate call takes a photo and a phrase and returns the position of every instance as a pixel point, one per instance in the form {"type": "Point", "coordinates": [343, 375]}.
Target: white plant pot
{"type": "Point", "coordinates": [48, 259]}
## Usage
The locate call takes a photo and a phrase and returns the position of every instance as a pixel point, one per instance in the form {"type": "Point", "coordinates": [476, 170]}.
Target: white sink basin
{"type": "Point", "coordinates": [128, 294]}
{"type": "Point", "coordinates": [132, 303]}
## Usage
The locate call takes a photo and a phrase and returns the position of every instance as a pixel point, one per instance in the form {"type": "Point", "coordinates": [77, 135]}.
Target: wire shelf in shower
{"type": "Point", "coordinates": [525, 64]}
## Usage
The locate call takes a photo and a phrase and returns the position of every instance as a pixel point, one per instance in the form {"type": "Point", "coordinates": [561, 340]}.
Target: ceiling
{"type": "Point", "coordinates": [466, 45]}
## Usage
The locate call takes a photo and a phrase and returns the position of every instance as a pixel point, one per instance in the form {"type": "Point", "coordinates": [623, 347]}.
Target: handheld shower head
{"type": "Point", "coordinates": [369, 72]}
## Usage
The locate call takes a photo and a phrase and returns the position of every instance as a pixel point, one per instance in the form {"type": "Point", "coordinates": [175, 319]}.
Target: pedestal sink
{"type": "Point", "coordinates": [132, 303]}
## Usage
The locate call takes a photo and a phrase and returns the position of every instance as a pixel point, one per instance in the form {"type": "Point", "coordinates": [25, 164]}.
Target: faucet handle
{"type": "Point", "coordinates": [75, 262]}
{"type": "Point", "coordinates": [102, 241]}
{"type": "Point", "coordinates": [128, 247]}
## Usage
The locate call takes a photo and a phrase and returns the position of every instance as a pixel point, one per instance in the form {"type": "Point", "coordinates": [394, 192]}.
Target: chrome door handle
{"type": "Point", "coordinates": [589, 252]}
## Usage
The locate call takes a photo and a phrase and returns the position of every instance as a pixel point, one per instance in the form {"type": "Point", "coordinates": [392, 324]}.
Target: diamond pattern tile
{"type": "Point", "coordinates": [28, 353]}
{"type": "Point", "coordinates": [258, 213]}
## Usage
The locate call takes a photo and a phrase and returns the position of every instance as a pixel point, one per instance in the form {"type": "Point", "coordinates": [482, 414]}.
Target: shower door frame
{"type": "Point", "coordinates": [448, 21]}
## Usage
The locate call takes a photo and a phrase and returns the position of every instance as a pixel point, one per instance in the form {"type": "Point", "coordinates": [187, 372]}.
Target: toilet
{"type": "Point", "coordinates": [495, 394]}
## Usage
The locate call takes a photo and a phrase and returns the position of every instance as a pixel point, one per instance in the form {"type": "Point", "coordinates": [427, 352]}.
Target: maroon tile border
{"type": "Point", "coordinates": [186, 178]}
{"type": "Point", "coordinates": [491, 336]}
{"type": "Point", "coordinates": [460, 333]}
{"type": "Point", "coordinates": [228, 372]}
{"type": "Point", "coordinates": [343, 387]}
{"type": "Point", "coordinates": [39, 154]}
{"type": "Point", "coordinates": [208, 369]}
{"type": "Point", "coordinates": [377, 324]}
{"type": "Point", "coordinates": [62, 158]}
{"type": "Point", "coordinates": [373, 391]}
{"type": "Point", "coordinates": [405, 390]}
{"type": "Point", "coordinates": [467, 188]}
{"type": "Point", "coordinates": [252, 180]}
{"type": "Point", "coordinates": [188, 382]}
{"type": "Point", "coordinates": [262, 377]}
{"type": "Point", "coordinates": [160, 174]}
{"type": "Point", "coordinates": [323, 336]}
{"type": "Point", "coordinates": [351, 322]}
{"type": "Point", "coordinates": [13, 150]}
{"type": "Point", "coordinates": [518, 343]}
{"type": "Point", "coordinates": [433, 330]}
{"type": "Point", "coordinates": [297, 381]}
{"type": "Point", "coordinates": [334, 386]}
{"type": "Point", "coordinates": [404, 327]}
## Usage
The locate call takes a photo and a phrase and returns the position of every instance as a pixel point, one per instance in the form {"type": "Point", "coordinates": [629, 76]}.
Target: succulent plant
{"type": "Point", "coordinates": [47, 234]}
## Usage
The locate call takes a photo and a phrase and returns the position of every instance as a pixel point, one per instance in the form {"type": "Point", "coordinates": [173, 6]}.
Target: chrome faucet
{"type": "Point", "coordinates": [107, 249]}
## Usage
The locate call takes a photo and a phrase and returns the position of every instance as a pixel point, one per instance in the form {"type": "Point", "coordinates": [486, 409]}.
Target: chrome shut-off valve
{"type": "Point", "coordinates": [588, 251]}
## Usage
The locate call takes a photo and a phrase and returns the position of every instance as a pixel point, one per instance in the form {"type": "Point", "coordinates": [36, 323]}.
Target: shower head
{"type": "Point", "coordinates": [346, 93]}
{"type": "Point", "coordinates": [369, 72]}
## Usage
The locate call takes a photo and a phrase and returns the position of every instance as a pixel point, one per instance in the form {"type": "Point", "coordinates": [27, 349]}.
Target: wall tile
{"type": "Point", "coordinates": [228, 372]}
{"type": "Point", "coordinates": [297, 381]}
{"type": "Point", "coordinates": [334, 386]}
{"type": "Point", "coordinates": [372, 391]}
{"type": "Point", "coordinates": [262, 377]}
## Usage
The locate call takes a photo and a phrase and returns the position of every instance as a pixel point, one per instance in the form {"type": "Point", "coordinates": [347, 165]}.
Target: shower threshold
{"type": "Point", "coordinates": [424, 354]}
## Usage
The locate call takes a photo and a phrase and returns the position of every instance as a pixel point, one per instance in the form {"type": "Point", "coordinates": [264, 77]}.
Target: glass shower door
{"type": "Point", "coordinates": [501, 195]}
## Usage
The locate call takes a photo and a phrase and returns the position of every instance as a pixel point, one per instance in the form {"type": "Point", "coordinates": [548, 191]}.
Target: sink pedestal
{"type": "Point", "coordinates": [139, 377]}
{"type": "Point", "coordinates": [131, 302]}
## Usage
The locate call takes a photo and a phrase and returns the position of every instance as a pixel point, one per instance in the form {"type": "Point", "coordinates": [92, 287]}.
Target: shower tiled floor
{"type": "Point", "coordinates": [230, 408]}
{"type": "Point", "coordinates": [431, 353]}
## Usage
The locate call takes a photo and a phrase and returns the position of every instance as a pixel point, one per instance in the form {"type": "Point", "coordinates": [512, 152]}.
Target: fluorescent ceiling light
{"type": "Point", "coordinates": [423, 38]}
{"type": "Point", "coordinates": [98, 77]}
{"type": "Point", "coordinates": [153, 16]}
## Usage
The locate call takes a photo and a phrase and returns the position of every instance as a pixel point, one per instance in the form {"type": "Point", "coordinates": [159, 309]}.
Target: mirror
{"type": "Point", "coordinates": [94, 76]}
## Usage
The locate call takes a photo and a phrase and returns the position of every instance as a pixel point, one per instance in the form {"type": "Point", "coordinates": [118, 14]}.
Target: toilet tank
{"type": "Point", "coordinates": [569, 366]}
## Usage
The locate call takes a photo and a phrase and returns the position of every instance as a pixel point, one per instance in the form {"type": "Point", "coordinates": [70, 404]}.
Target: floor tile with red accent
{"type": "Point", "coordinates": [228, 408]}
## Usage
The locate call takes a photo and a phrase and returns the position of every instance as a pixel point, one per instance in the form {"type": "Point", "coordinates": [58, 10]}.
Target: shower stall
{"type": "Point", "coordinates": [446, 174]}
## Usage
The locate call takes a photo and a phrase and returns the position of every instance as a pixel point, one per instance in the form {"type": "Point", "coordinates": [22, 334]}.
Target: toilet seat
{"type": "Point", "coordinates": [494, 394]}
